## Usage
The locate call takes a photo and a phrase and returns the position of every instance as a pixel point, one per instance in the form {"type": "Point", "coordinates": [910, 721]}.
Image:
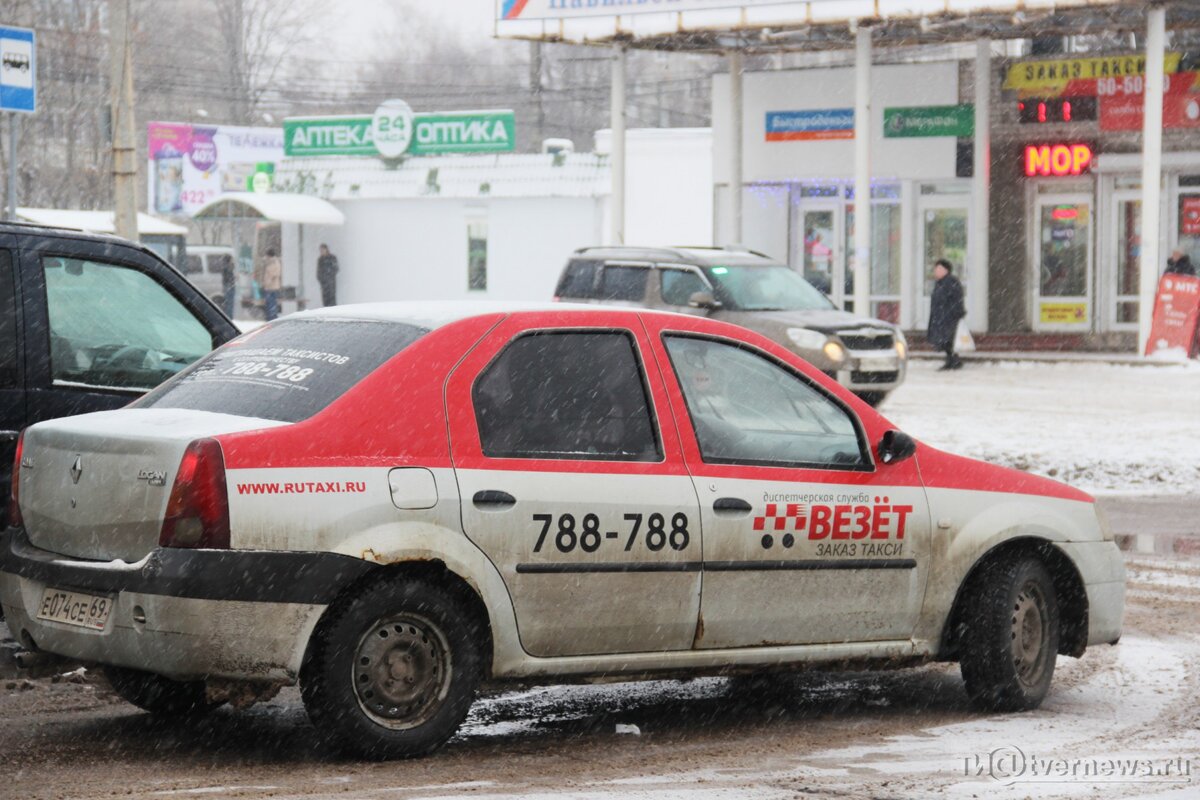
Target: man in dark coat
{"type": "Point", "coordinates": [946, 308]}
{"type": "Point", "coordinates": [1180, 264]}
{"type": "Point", "coordinates": [327, 270]}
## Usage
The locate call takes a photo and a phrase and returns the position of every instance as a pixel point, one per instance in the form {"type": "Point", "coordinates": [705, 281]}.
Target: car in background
{"type": "Point", "coordinates": [390, 504]}
{"type": "Point", "coordinates": [867, 356]}
{"type": "Point", "coordinates": [205, 265]}
{"type": "Point", "coordinates": [90, 322]}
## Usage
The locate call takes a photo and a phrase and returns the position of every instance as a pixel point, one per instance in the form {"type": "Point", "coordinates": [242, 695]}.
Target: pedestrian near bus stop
{"type": "Point", "coordinates": [946, 308]}
{"type": "Point", "coordinates": [327, 270]}
{"type": "Point", "coordinates": [272, 282]}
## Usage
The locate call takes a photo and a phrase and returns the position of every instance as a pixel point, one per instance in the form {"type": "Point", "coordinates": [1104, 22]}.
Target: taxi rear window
{"type": "Point", "coordinates": [286, 371]}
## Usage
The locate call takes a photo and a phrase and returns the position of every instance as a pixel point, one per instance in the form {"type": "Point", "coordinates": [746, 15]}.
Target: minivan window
{"type": "Point", "coordinates": [769, 287]}
{"type": "Point", "coordinates": [678, 286]}
{"type": "Point", "coordinates": [623, 283]}
{"type": "Point", "coordinates": [193, 264]}
{"type": "Point", "coordinates": [286, 371]}
{"type": "Point", "coordinates": [578, 280]}
{"type": "Point", "coordinates": [8, 322]}
{"type": "Point", "coordinates": [115, 327]}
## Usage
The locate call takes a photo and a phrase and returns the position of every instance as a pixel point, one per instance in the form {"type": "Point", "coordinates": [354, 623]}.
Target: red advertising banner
{"type": "Point", "coordinates": [1176, 314]}
{"type": "Point", "coordinates": [1122, 102]}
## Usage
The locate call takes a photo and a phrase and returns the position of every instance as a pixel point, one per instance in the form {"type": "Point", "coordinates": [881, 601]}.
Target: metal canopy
{"type": "Point", "coordinates": [947, 21]}
{"type": "Point", "coordinates": [276, 207]}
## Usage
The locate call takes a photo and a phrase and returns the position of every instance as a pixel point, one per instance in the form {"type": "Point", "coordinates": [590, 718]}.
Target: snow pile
{"type": "Point", "coordinates": [1101, 427]}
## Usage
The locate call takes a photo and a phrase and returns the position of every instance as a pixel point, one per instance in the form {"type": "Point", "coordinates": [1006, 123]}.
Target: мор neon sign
{"type": "Point", "coordinates": [1057, 160]}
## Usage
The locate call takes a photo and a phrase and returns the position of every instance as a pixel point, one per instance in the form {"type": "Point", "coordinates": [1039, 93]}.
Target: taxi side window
{"type": "Point", "coordinates": [576, 395]}
{"type": "Point", "coordinates": [746, 409]}
{"type": "Point", "coordinates": [678, 286]}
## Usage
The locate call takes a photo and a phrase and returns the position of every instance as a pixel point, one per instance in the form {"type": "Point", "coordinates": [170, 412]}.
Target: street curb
{"type": "Point", "coordinates": [1114, 359]}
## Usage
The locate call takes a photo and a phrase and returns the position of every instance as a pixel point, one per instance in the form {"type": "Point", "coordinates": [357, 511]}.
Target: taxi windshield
{"type": "Point", "coordinates": [285, 371]}
{"type": "Point", "coordinates": [769, 287]}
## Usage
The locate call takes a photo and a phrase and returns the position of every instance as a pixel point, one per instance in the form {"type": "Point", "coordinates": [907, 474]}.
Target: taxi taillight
{"type": "Point", "coordinates": [198, 511]}
{"type": "Point", "coordinates": [14, 505]}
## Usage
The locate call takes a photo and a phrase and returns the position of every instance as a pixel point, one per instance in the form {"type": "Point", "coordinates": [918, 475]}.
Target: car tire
{"type": "Point", "coordinates": [1010, 636]}
{"type": "Point", "coordinates": [157, 694]}
{"type": "Point", "coordinates": [392, 670]}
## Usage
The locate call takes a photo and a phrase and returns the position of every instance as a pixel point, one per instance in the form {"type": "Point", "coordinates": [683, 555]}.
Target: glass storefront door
{"type": "Point", "coordinates": [943, 226]}
{"type": "Point", "coordinates": [815, 245]}
{"type": "Point", "coordinates": [1123, 284]}
{"type": "Point", "coordinates": [1062, 260]}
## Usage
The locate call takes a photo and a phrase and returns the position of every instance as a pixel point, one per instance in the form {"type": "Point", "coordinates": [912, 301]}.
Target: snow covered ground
{"type": "Point", "coordinates": [1103, 428]}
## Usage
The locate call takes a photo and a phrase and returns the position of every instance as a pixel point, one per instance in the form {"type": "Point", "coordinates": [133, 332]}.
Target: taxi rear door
{"type": "Point", "coordinates": [573, 483]}
{"type": "Point", "coordinates": [807, 539]}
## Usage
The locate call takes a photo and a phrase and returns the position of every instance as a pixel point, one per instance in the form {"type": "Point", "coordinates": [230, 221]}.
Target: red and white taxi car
{"type": "Point", "coordinates": [392, 503]}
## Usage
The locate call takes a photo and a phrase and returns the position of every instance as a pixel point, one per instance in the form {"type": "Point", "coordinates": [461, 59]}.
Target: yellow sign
{"type": "Point", "coordinates": [1052, 76]}
{"type": "Point", "coordinates": [1064, 313]}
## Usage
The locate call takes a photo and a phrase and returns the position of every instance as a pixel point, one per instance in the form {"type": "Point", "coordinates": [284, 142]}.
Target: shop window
{"type": "Point", "coordinates": [1064, 232]}
{"type": "Point", "coordinates": [477, 256]}
{"type": "Point", "coordinates": [885, 249]}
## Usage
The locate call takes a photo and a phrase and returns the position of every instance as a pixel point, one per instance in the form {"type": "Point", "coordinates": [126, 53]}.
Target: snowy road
{"type": "Point", "coordinates": [1100, 427]}
{"type": "Point", "coordinates": [1120, 722]}
{"type": "Point", "coordinates": [897, 734]}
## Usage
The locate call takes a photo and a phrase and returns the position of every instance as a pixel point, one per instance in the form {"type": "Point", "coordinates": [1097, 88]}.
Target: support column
{"type": "Point", "coordinates": [862, 173]}
{"type": "Point", "coordinates": [981, 182]}
{"type": "Point", "coordinates": [618, 145]}
{"type": "Point", "coordinates": [736, 104]}
{"type": "Point", "coordinates": [11, 211]}
{"type": "Point", "coordinates": [1152, 122]}
{"type": "Point", "coordinates": [124, 138]}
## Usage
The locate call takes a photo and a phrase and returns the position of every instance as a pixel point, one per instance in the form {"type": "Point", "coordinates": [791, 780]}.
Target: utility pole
{"type": "Point", "coordinates": [535, 86]}
{"type": "Point", "coordinates": [124, 147]}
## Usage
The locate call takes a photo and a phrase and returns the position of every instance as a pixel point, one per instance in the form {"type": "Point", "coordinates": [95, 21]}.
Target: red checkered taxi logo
{"type": "Point", "coordinates": [782, 517]}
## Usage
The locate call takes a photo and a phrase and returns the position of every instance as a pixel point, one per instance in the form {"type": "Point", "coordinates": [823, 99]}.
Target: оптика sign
{"type": "Point", "coordinates": [431, 134]}
{"type": "Point", "coordinates": [923, 121]}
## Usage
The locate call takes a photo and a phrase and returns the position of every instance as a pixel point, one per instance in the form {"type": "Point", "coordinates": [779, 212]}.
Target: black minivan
{"type": "Point", "coordinates": [88, 323]}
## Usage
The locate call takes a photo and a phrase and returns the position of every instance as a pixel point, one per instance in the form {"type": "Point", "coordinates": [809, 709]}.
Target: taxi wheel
{"type": "Point", "coordinates": [1011, 633]}
{"type": "Point", "coordinates": [157, 694]}
{"type": "Point", "coordinates": [393, 670]}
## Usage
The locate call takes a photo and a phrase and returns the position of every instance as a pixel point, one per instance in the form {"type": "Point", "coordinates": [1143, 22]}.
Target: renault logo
{"type": "Point", "coordinates": [76, 469]}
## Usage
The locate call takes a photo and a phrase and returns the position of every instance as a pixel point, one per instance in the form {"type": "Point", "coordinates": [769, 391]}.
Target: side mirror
{"type": "Point", "coordinates": [74, 266]}
{"type": "Point", "coordinates": [896, 446]}
{"type": "Point", "coordinates": [703, 300]}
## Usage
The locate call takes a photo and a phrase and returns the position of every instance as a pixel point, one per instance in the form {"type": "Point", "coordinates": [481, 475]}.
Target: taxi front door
{"type": "Point", "coordinates": [806, 539]}
{"type": "Point", "coordinates": [573, 483]}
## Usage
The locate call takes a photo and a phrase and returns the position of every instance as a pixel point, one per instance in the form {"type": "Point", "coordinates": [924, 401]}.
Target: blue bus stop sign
{"type": "Point", "coordinates": [18, 70]}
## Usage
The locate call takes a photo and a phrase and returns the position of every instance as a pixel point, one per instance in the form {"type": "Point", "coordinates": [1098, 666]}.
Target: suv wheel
{"type": "Point", "coordinates": [392, 671]}
{"type": "Point", "coordinates": [1010, 638]}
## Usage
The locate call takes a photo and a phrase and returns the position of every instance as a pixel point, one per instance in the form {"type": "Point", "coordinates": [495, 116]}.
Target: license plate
{"type": "Point", "coordinates": [877, 364]}
{"type": "Point", "coordinates": [74, 608]}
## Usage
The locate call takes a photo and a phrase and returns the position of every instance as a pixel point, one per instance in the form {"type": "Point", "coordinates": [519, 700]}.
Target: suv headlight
{"type": "Point", "coordinates": [901, 344]}
{"type": "Point", "coordinates": [834, 351]}
{"type": "Point", "coordinates": [806, 339]}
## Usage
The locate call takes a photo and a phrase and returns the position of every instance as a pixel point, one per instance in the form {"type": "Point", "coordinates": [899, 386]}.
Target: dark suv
{"type": "Point", "coordinates": [89, 322]}
{"type": "Point", "coordinates": [868, 356]}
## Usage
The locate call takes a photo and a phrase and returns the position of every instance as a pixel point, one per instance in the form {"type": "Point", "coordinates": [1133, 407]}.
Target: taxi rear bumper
{"type": "Point", "coordinates": [186, 614]}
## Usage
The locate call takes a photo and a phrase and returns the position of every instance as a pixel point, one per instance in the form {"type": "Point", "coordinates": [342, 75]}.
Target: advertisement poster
{"type": "Point", "coordinates": [1189, 215]}
{"type": "Point", "coordinates": [1122, 102]}
{"type": "Point", "coordinates": [1176, 314]}
{"type": "Point", "coordinates": [191, 165]}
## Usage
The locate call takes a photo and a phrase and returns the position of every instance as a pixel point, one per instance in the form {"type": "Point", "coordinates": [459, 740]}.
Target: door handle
{"type": "Point", "coordinates": [731, 504]}
{"type": "Point", "coordinates": [490, 498]}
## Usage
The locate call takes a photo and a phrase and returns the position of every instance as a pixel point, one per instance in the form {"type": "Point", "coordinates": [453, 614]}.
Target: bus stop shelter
{"type": "Point", "coordinates": [733, 29]}
{"type": "Point", "coordinates": [301, 210]}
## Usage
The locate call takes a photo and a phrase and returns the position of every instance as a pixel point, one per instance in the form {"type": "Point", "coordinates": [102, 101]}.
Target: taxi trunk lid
{"type": "Point", "coordinates": [96, 486]}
